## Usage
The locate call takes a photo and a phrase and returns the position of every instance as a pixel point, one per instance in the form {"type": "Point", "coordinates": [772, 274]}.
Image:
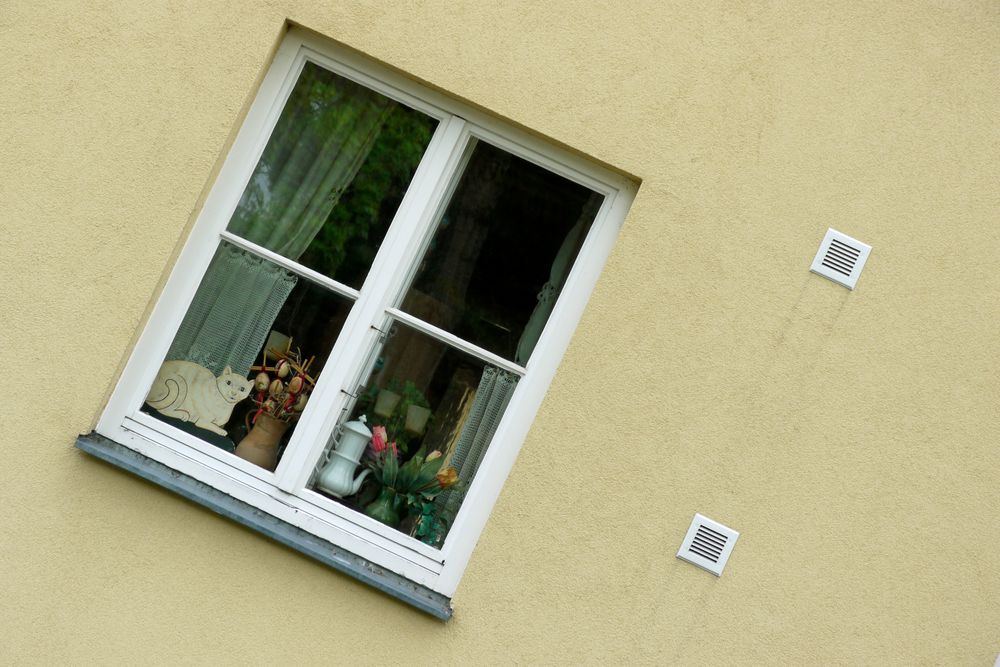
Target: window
{"type": "Point", "coordinates": [368, 311]}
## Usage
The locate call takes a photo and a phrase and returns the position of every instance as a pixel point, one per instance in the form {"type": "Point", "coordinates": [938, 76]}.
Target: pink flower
{"type": "Point", "coordinates": [395, 450]}
{"type": "Point", "coordinates": [378, 439]}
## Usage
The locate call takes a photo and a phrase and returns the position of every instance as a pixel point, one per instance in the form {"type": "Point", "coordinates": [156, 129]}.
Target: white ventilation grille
{"type": "Point", "coordinates": [840, 258]}
{"type": "Point", "coordinates": [708, 544]}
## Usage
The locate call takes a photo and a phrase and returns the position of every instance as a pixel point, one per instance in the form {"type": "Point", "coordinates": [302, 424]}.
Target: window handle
{"type": "Point", "coordinates": [357, 392]}
{"type": "Point", "coordinates": [386, 333]}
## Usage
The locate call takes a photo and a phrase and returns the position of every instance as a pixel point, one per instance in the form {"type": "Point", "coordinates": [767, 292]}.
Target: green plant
{"type": "Point", "coordinates": [347, 243]}
{"type": "Point", "coordinates": [417, 482]}
{"type": "Point", "coordinates": [428, 526]}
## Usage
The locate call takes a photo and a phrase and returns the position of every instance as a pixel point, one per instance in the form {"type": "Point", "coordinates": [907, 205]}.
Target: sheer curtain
{"type": "Point", "coordinates": [320, 141]}
{"type": "Point", "coordinates": [497, 386]}
{"type": "Point", "coordinates": [492, 396]}
{"type": "Point", "coordinates": [238, 291]}
{"type": "Point", "coordinates": [557, 278]}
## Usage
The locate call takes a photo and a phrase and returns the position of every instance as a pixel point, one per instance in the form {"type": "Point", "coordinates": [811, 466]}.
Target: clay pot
{"type": "Point", "coordinates": [260, 447]}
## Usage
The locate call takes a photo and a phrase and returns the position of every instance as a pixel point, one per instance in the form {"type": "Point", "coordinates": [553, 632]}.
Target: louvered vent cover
{"type": "Point", "coordinates": [708, 544]}
{"type": "Point", "coordinates": [840, 258]}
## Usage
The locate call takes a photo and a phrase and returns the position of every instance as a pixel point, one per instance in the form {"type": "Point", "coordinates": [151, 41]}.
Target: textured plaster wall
{"type": "Point", "coordinates": [852, 437]}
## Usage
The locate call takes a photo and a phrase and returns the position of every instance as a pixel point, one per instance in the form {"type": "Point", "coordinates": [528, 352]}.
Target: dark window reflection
{"type": "Point", "coordinates": [502, 252]}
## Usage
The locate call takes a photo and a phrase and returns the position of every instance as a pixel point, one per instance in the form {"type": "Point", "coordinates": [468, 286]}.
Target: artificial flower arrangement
{"type": "Point", "coordinates": [410, 486]}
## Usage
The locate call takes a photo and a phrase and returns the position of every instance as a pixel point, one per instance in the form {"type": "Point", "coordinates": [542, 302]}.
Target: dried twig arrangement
{"type": "Point", "coordinates": [282, 390]}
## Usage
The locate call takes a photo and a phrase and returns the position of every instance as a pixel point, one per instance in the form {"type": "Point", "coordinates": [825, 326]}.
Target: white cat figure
{"type": "Point", "coordinates": [189, 392]}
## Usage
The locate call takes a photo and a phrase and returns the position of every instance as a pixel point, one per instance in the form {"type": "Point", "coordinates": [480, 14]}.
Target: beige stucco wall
{"type": "Point", "coordinates": [852, 437]}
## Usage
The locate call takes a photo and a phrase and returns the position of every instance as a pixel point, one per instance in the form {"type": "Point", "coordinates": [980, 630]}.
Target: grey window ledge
{"type": "Point", "coordinates": [325, 552]}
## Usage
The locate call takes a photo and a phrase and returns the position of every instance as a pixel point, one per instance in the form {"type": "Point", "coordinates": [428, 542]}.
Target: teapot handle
{"type": "Point", "coordinates": [338, 431]}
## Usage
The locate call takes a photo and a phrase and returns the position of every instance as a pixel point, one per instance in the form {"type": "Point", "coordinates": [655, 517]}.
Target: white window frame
{"type": "Point", "coordinates": [282, 493]}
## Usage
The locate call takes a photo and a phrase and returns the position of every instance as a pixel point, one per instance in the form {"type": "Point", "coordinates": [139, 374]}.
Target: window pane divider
{"type": "Point", "coordinates": [312, 434]}
{"type": "Point", "coordinates": [294, 267]}
{"type": "Point", "coordinates": [455, 341]}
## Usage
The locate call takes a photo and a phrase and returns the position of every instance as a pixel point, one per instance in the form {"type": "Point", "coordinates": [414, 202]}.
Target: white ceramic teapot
{"type": "Point", "coordinates": [337, 477]}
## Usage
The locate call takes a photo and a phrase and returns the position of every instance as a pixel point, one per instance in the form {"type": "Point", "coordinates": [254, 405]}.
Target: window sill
{"type": "Point", "coordinates": [329, 554]}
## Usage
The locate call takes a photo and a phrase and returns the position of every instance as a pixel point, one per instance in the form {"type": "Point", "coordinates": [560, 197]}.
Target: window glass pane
{"type": "Point", "coordinates": [502, 252]}
{"type": "Point", "coordinates": [332, 175]}
{"type": "Point", "coordinates": [243, 306]}
{"type": "Point", "coordinates": [439, 408]}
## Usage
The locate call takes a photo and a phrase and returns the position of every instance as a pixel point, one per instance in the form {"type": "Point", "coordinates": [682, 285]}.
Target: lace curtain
{"type": "Point", "coordinates": [497, 386]}
{"type": "Point", "coordinates": [561, 265]}
{"type": "Point", "coordinates": [492, 396]}
{"type": "Point", "coordinates": [239, 290]}
{"type": "Point", "coordinates": [320, 141]}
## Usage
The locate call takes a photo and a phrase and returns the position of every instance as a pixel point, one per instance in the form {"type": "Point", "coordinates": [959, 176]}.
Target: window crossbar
{"type": "Point", "coordinates": [296, 268]}
{"type": "Point", "coordinates": [455, 341]}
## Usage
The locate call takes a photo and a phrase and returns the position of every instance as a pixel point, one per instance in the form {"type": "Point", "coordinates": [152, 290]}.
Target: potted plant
{"type": "Point", "coordinates": [406, 487]}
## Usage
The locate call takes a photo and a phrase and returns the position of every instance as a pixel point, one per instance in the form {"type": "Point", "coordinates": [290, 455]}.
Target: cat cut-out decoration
{"type": "Point", "coordinates": [192, 393]}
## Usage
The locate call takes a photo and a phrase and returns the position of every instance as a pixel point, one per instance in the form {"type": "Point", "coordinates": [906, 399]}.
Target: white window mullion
{"type": "Point", "coordinates": [415, 215]}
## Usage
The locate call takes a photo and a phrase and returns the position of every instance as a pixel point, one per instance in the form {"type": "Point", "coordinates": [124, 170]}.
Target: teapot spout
{"type": "Point", "coordinates": [357, 481]}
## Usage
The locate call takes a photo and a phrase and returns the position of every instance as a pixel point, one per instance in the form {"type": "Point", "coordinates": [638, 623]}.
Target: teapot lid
{"type": "Point", "coordinates": [358, 426]}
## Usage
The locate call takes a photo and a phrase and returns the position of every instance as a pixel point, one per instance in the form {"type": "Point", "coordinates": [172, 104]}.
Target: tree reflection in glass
{"type": "Point", "coordinates": [332, 175]}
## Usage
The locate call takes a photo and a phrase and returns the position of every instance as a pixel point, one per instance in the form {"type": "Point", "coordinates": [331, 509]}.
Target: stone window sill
{"type": "Point", "coordinates": [329, 554]}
